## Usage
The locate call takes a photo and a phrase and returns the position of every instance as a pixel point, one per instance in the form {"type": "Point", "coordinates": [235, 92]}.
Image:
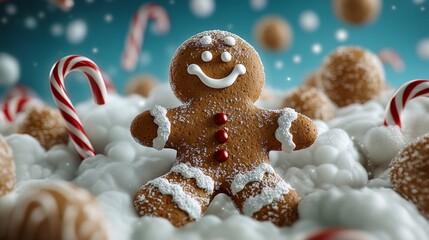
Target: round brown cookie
{"type": "Point", "coordinates": [56, 210]}
{"type": "Point", "coordinates": [218, 133]}
{"type": "Point", "coordinates": [351, 75]}
{"type": "Point", "coordinates": [141, 85]}
{"type": "Point", "coordinates": [312, 80]}
{"type": "Point", "coordinates": [7, 168]}
{"type": "Point", "coordinates": [409, 174]}
{"type": "Point", "coordinates": [273, 33]}
{"type": "Point", "coordinates": [357, 12]}
{"type": "Point", "coordinates": [46, 125]}
{"type": "Point", "coordinates": [311, 102]}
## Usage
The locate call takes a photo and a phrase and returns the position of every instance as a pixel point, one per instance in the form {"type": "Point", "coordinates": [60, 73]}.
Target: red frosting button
{"type": "Point", "coordinates": [221, 155]}
{"type": "Point", "coordinates": [221, 136]}
{"type": "Point", "coordinates": [220, 118]}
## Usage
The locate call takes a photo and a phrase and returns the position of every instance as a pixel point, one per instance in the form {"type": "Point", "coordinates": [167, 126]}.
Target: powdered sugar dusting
{"type": "Point", "coordinates": [182, 199]}
{"type": "Point", "coordinates": [283, 134]}
{"type": "Point", "coordinates": [267, 196]}
{"type": "Point", "coordinates": [242, 179]}
{"type": "Point", "coordinates": [160, 115]}
{"type": "Point", "coordinates": [203, 181]}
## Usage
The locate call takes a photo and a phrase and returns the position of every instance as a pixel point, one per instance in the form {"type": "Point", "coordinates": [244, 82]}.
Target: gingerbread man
{"type": "Point", "coordinates": [222, 139]}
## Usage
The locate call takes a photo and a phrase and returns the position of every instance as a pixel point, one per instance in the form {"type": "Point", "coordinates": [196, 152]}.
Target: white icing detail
{"type": "Point", "coordinates": [225, 82]}
{"type": "Point", "coordinates": [255, 175]}
{"type": "Point", "coordinates": [206, 56]}
{"type": "Point", "coordinates": [267, 196]}
{"type": "Point", "coordinates": [283, 134]}
{"type": "Point", "coordinates": [203, 181]}
{"type": "Point", "coordinates": [230, 41]}
{"type": "Point", "coordinates": [184, 201]}
{"type": "Point", "coordinates": [226, 57]}
{"type": "Point", "coordinates": [206, 40]}
{"type": "Point", "coordinates": [160, 115]}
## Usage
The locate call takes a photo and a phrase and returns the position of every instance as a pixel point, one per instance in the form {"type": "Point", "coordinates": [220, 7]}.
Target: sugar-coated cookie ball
{"type": "Point", "coordinates": [312, 80]}
{"type": "Point", "coordinates": [56, 210]}
{"type": "Point", "coordinates": [7, 168]}
{"type": "Point", "coordinates": [311, 102]}
{"type": "Point", "coordinates": [351, 75]}
{"type": "Point", "coordinates": [273, 33]}
{"type": "Point", "coordinates": [141, 85]}
{"type": "Point", "coordinates": [409, 173]}
{"type": "Point", "coordinates": [357, 12]}
{"type": "Point", "coordinates": [46, 125]}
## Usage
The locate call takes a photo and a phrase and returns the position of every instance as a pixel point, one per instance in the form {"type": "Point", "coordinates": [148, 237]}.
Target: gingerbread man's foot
{"type": "Point", "coordinates": [265, 196]}
{"type": "Point", "coordinates": [181, 196]}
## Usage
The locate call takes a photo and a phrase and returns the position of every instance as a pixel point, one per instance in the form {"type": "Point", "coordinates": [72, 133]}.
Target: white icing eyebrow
{"type": "Point", "coordinates": [206, 56]}
{"type": "Point", "coordinates": [226, 57]}
{"type": "Point", "coordinates": [230, 41]}
{"type": "Point", "coordinates": [206, 40]}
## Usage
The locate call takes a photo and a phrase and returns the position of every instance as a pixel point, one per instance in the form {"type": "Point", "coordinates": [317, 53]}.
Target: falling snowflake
{"type": "Point", "coordinates": [341, 35]}
{"type": "Point", "coordinates": [316, 48]}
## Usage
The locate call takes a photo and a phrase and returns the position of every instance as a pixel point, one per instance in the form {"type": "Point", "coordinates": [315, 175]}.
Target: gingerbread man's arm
{"type": "Point", "coordinates": [292, 131]}
{"type": "Point", "coordinates": [152, 128]}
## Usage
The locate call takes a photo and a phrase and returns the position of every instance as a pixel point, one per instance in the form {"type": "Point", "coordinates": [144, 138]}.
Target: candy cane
{"type": "Point", "coordinates": [137, 30]}
{"type": "Point", "coordinates": [18, 99]}
{"type": "Point", "coordinates": [110, 87]}
{"type": "Point", "coordinates": [391, 57]}
{"type": "Point", "coordinates": [58, 73]}
{"type": "Point", "coordinates": [405, 93]}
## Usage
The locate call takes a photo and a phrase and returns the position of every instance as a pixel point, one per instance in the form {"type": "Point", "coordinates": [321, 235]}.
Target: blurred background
{"type": "Point", "coordinates": [35, 34]}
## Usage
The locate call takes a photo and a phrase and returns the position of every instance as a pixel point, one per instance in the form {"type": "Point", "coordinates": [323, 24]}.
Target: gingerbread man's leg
{"type": "Point", "coordinates": [265, 196]}
{"type": "Point", "coordinates": [181, 196]}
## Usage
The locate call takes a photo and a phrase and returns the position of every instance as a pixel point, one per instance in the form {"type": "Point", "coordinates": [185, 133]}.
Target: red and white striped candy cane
{"type": "Point", "coordinates": [137, 31]}
{"type": "Point", "coordinates": [18, 99]}
{"type": "Point", "coordinates": [391, 57]}
{"type": "Point", "coordinates": [400, 98]}
{"type": "Point", "coordinates": [110, 87]}
{"type": "Point", "coordinates": [58, 73]}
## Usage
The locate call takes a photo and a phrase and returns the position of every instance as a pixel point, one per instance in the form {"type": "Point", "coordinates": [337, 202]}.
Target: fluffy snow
{"type": "Point", "coordinates": [341, 177]}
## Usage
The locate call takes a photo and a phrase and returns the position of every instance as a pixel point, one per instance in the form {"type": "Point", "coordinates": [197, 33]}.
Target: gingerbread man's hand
{"type": "Point", "coordinates": [295, 131]}
{"type": "Point", "coordinates": [152, 128]}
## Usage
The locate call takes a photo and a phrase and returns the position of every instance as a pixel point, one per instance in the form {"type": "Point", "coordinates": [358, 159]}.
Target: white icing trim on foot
{"type": "Point", "coordinates": [183, 200]}
{"type": "Point", "coordinates": [267, 196]}
{"type": "Point", "coordinates": [164, 126]}
{"type": "Point", "coordinates": [203, 181]}
{"type": "Point", "coordinates": [255, 175]}
{"type": "Point", "coordinates": [283, 134]}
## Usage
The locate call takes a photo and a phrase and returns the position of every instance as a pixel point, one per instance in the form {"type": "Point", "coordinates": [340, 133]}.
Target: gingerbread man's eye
{"type": "Point", "coordinates": [226, 57]}
{"type": "Point", "coordinates": [230, 41]}
{"type": "Point", "coordinates": [206, 56]}
{"type": "Point", "coordinates": [206, 40]}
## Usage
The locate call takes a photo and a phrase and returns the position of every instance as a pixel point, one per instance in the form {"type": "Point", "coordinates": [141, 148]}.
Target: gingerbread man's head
{"type": "Point", "coordinates": [216, 64]}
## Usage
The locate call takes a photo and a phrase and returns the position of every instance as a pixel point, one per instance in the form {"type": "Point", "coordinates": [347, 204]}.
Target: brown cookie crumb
{"type": "Point", "coordinates": [46, 125]}
{"type": "Point", "coordinates": [351, 75]}
{"type": "Point", "coordinates": [7, 168]}
{"type": "Point", "coordinates": [310, 102]}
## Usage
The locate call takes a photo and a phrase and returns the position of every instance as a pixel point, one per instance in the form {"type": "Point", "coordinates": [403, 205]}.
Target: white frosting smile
{"type": "Point", "coordinates": [225, 82]}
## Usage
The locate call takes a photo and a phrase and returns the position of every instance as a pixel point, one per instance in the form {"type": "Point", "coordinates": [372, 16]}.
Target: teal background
{"type": "Point", "coordinates": [37, 50]}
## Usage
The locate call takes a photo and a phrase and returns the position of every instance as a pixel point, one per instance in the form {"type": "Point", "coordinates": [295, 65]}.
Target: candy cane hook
{"type": "Point", "coordinates": [74, 126]}
{"type": "Point", "coordinates": [400, 98]}
{"type": "Point", "coordinates": [137, 30]}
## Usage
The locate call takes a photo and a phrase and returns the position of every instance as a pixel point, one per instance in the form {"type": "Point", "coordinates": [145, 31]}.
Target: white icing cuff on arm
{"type": "Point", "coordinates": [164, 126]}
{"type": "Point", "coordinates": [283, 135]}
